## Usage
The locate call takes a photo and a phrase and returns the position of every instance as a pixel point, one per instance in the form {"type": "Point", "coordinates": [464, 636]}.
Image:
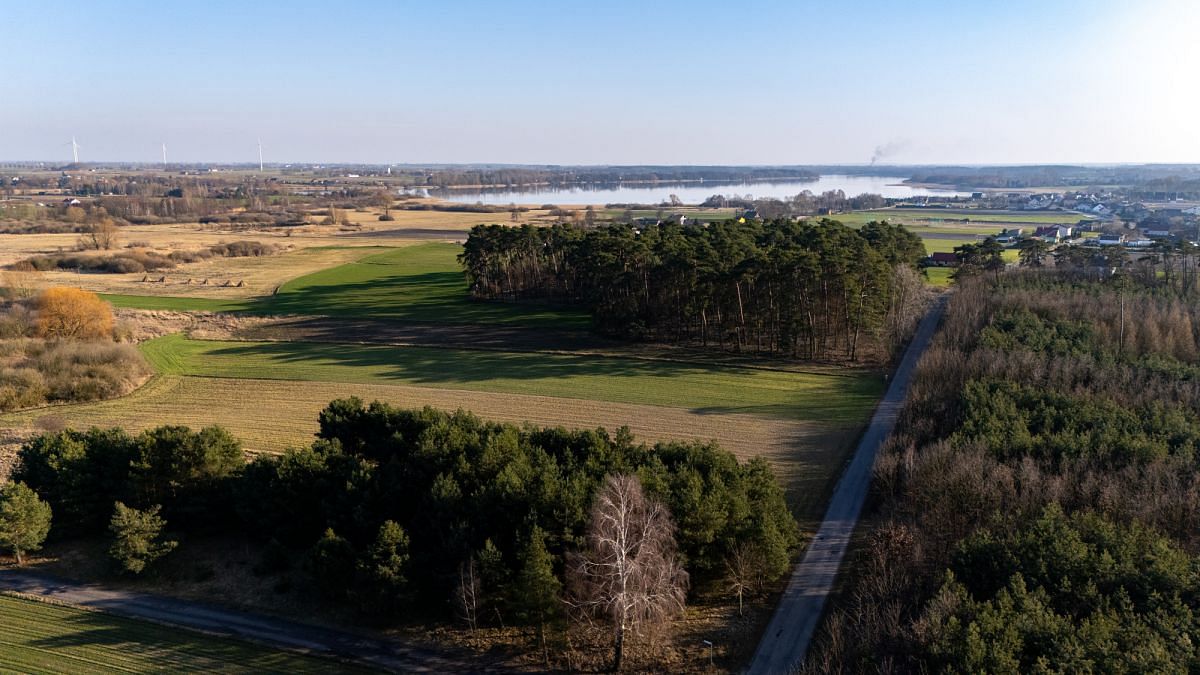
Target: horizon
{"type": "Point", "coordinates": [523, 83]}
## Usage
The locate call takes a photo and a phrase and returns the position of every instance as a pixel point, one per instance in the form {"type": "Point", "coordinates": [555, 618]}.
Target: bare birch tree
{"type": "Point", "coordinates": [466, 594]}
{"type": "Point", "coordinates": [629, 574]}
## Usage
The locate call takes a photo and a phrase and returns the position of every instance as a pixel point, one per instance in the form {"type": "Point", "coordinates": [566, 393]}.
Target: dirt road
{"type": "Point", "coordinates": [226, 622]}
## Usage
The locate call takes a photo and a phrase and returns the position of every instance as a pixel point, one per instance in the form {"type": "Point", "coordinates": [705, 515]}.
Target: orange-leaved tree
{"type": "Point", "coordinates": [73, 314]}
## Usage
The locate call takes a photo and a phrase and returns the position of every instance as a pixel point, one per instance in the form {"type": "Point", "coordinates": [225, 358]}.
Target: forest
{"type": "Point", "coordinates": [806, 290]}
{"type": "Point", "coordinates": [404, 516]}
{"type": "Point", "coordinates": [1038, 509]}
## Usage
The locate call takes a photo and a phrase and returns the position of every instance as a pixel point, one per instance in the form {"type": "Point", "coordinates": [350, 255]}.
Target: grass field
{"type": "Point", "coordinates": [698, 387]}
{"type": "Point", "coordinates": [422, 283]}
{"type": "Point", "coordinates": [269, 393]}
{"type": "Point", "coordinates": [259, 275]}
{"type": "Point", "coordinates": [37, 637]}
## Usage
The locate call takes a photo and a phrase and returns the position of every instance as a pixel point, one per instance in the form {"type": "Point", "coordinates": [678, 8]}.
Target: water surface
{"type": "Point", "coordinates": [694, 193]}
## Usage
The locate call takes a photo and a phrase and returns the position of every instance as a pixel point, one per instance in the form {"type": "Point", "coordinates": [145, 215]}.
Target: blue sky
{"type": "Point", "coordinates": [695, 82]}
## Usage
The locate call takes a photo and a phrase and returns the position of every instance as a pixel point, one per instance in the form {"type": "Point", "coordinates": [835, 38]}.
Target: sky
{"type": "Point", "coordinates": [614, 82]}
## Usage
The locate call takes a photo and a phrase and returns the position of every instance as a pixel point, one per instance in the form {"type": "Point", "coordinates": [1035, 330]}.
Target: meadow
{"type": "Point", "coordinates": [38, 637]}
{"type": "Point", "coordinates": [703, 388]}
{"type": "Point", "coordinates": [269, 393]}
{"type": "Point", "coordinates": [420, 283]}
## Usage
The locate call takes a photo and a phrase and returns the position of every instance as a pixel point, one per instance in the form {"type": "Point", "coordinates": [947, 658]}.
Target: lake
{"type": "Point", "coordinates": [694, 193]}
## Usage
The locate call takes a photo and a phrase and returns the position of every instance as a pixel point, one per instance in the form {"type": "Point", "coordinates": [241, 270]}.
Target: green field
{"type": "Point", "coordinates": [706, 388]}
{"type": "Point", "coordinates": [37, 637]}
{"type": "Point", "coordinates": [421, 283]}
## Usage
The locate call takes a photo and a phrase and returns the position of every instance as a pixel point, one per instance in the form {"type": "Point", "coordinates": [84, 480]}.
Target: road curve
{"type": "Point", "coordinates": [266, 630]}
{"type": "Point", "coordinates": [786, 639]}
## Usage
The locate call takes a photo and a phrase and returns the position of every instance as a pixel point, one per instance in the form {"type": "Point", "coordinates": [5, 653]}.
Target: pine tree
{"type": "Point", "coordinates": [137, 537]}
{"type": "Point", "coordinates": [24, 520]}
{"type": "Point", "coordinates": [538, 590]}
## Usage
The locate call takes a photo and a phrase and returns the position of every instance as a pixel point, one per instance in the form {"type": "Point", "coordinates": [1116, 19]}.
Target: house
{"type": "Point", "coordinates": [1139, 243]}
{"type": "Point", "coordinates": [1009, 236]}
{"type": "Point", "coordinates": [1101, 210]}
{"type": "Point", "coordinates": [1054, 233]}
{"type": "Point", "coordinates": [1108, 239]}
{"type": "Point", "coordinates": [976, 195]}
{"type": "Point", "coordinates": [941, 260]}
{"type": "Point", "coordinates": [1157, 232]}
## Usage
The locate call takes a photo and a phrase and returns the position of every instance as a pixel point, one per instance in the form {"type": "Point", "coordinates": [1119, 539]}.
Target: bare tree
{"type": "Point", "coordinates": [745, 568]}
{"type": "Point", "coordinates": [466, 594]}
{"type": "Point", "coordinates": [101, 235]}
{"type": "Point", "coordinates": [629, 574]}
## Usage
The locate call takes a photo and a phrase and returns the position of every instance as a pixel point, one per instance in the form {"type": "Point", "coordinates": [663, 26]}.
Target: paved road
{"type": "Point", "coordinates": [262, 629]}
{"type": "Point", "coordinates": [786, 639]}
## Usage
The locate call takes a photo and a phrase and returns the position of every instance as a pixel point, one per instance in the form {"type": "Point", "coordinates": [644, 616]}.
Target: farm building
{"type": "Point", "coordinates": [941, 260]}
{"type": "Point", "coordinates": [1107, 239]}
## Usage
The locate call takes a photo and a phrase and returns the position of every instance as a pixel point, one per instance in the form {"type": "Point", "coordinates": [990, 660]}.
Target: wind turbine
{"type": "Point", "coordinates": [260, 162]}
{"type": "Point", "coordinates": [74, 150]}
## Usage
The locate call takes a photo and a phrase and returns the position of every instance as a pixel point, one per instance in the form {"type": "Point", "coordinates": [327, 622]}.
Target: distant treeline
{"type": "Point", "coordinates": [805, 203]}
{"type": "Point", "coordinates": [518, 176]}
{"type": "Point", "coordinates": [1181, 180]}
{"type": "Point", "coordinates": [811, 290]}
{"type": "Point", "coordinates": [1039, 504]}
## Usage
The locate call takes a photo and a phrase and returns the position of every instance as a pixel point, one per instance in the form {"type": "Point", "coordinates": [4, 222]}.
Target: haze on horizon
{"type": "Point", "coordinates": [1063, 81]}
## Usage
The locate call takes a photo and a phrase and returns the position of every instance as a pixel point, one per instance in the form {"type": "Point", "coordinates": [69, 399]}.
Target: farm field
{"type": "Point", "coordinates": [37, 637]}
{"type": "Point", "coordinates": [420, 283]}
{"type": "Point", "coordinates": [273, 415]}
{"type": "Point", "coordinates": [260, 275]}
{"type": "Point", "coordinates": [698, 387]}
{"type": "Point", "coordinates": [268, 394]}
{"type": "Point", "coordinates": [365, 229]}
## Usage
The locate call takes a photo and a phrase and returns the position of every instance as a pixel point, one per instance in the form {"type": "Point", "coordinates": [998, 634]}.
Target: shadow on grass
{"type": "Point", "coordinates": [703, 389]}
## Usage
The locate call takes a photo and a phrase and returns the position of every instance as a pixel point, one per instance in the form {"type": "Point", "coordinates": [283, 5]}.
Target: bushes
{"type": "Point", "coordinates": [124, 262]}
{"type": "Point", "coordinates": [243, 249]}
{"type": "Point", "coordinates": [90, 371]}
{"type": "Point", "coordinates": [22, 388]}
{"type": "Point", "coordinates": [68, 371]}
{"type": "Point", "coordinates": [138, 261]}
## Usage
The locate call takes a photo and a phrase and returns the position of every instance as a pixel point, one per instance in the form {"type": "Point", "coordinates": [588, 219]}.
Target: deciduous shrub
{"type": "Point", "coordinates": [73, 314]}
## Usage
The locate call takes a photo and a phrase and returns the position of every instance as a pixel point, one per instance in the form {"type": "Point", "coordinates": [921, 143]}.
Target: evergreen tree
{"type": "Point", "coordinates": [137, 537]}
{"type": "Point", "coordinates": [538, 590]}
{"type": "Point", "coordinates": [24, 520]}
